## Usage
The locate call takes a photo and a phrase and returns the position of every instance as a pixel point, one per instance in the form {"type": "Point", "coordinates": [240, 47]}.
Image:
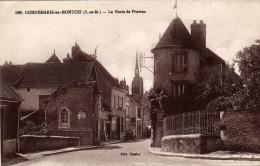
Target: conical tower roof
{"type": "Point", "coordinates": [53, 59]}
{"type": "Point", "coordinates": [175, 35]}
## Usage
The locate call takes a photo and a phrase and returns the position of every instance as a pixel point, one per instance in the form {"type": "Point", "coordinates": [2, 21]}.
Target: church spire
{"type": "Point", "coordinates": [136, 66]}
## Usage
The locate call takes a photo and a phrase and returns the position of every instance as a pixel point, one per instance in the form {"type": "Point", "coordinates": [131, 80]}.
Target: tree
{"type": "Point", "coordinates": [156, 101]}
{"type": "Point", "coordinates": [248, 61]}
{"type": "Point", "coordinates": [219, 90]}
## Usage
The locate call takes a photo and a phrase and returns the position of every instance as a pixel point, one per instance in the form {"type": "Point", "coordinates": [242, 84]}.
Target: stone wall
{"type": "Point", "coordinates": [85, 136]}
{"type": "Point", "coordinates": [75, 98]}
{"type": "Point", "coordinates": [193, 143]}
{"type": "Point", "coordinates": [163, 64]}
{"type": "Point", "coordinates": [32, 143]}
{"type": "Point", "coordinates": [9, 148]}
{"type": "Point", "coordinates": [241, 131]}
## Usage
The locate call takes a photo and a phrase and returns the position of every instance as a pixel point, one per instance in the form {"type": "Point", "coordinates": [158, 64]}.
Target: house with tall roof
{"type": "Point", "coordinates": [10, 106]}
{"type": "Point", "coordinates": [181, 60]}
{"type": "Point", "coordinates": [37, 82]}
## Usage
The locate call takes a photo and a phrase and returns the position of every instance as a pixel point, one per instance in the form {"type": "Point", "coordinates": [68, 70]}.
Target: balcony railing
{"type": "Point", "coordinates": [199, 122]}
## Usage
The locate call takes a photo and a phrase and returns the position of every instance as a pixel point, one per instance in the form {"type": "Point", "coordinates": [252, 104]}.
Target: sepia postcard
{"type": "Point", "coordinates": [162, 82]}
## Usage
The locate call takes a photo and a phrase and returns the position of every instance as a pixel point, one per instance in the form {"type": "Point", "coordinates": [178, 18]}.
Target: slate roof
{"type": "Point", "coordinates": [6, 92]}
{"type": "Point", "coordinates": [54, 75]}
{"type": "Point", "coordinates": [53, 59]}
{"type": "Point", "coordinates": [175, 35]}
{"type": "Point", "coordinates": [89, 58]}
{"type": "Point", "coordinates": [210, 57]}
{"type": "Point", "coordinates": [12, 73]}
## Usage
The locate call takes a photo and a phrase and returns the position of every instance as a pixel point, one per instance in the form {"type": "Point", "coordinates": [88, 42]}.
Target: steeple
{"type": "Point", "coordinates": [136, 66]}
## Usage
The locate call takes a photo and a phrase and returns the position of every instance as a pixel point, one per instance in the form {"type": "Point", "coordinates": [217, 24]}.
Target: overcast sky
{"type": "Point", "coordinates": [231, 25]}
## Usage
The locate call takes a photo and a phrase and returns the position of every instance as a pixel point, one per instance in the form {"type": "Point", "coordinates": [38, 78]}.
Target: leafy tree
{"type": "Point", "coordinates": [219, 89]}
{"type": "Point", "coordinates": [248, 61]}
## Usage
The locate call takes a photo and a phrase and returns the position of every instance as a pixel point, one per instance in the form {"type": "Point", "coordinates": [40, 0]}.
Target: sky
{"type": "Point", "coordinates": [231, 26]}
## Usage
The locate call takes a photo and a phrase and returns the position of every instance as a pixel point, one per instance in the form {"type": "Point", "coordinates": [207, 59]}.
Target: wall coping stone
{"type": "Point", "coordinates": [188, 136]}
{"type": "Point", "coordinates": [70, 130]}
{"type": "Point", "coordinates": [44, 136]}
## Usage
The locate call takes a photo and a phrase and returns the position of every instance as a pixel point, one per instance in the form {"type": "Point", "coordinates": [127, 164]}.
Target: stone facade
{"type": "Point", "coordinates": [193, 143]}
{"type": "Point", "coordinates": [30, 143]}
{"type": "Point", "coordinates": [74, 108]}
{"type": "Point", "coordinates": [181, 61]}
{"type": "Point", "coordinates": [241, 131]}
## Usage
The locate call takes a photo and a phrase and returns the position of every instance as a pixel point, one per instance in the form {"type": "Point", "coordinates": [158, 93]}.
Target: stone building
{"type": "Point", "coordinates": [35, 82]}
{"type": "Point", "coordinates": [10, 107]}
{"type": "Point", "coordinates": [182, 60]}
{"type": "Point", "coordinates": [74, 111]}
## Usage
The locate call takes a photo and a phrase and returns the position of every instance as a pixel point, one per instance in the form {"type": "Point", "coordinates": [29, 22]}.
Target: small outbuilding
{"type": "Point", "coordinates": [9, 105]}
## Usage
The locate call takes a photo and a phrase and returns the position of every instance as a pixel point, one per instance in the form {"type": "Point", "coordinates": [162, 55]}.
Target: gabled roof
{"type": "Point", "coordinates": [81, 56]}
{"type": "Point", "coordinates": [175, 35]}
{"type": "Point", "coordinates": [54, 75]}
{"type": "Point", "coordinates": [6, 92]}
{"type": "Point", "coordinates": [53, 59]}
{"type": "Point", "coordinates": [210, 57]}
{"type": "Point", "coordinates": [12, 73]}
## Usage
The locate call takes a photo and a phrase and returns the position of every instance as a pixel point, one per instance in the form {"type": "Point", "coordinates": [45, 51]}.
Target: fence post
{"type": "Point", "coordinates": [182, 123]}
{"type": "Point", "coordinates": [164, 127]}
{"type": "Point", "coordinates": [199, 123]}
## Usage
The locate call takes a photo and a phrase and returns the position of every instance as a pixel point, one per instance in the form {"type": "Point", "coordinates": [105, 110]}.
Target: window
{"type": "Point", "coordinates": [64, 118]}
{"type": "Point", "coordinates": [178, 90]}
{"type": "Point", "coordinates": [114, 101]}
{"type": "Point", "coordinates": [133, 120]}
{"type": "Point", "coordinates": [127, 110]}
{"type": "Point", "coordinates": [101, 103]}
{"type": "Point", "coordinates": [122, 102]}
{"type": "Point", "coordinates": [179, 63]}
{"type": "Point", "coordinates": [122, 125]}
{"type": "Point", "coordinates": [118, 98]}
{"type": "Point", "coordinates": [28, 89]}
{"type": "Point", "coordinates": [139, 113]}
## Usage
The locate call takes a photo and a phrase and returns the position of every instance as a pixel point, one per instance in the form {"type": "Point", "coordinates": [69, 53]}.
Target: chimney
{"type": "Point", "coordinates": [198, 34]}
{"type": "Point", "coordinates": [6, 63]}
{"type": "Point", "coordinates": [67, 59]}
{"type": "Point", "coordinates": [75, 49]}
{"type": "Point", "coordinates": [10, 63]}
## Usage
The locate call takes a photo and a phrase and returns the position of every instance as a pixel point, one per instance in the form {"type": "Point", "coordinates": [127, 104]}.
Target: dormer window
{"type": "Point", "coordinates": [179, 63]}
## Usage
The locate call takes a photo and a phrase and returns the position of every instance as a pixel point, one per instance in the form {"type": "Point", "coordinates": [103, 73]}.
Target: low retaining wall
{"type": "Point", "coordinates": [33, 143]}
{"type": "Point", "coordinates": [193, 143]}
{"type": "Point", "coordinates": [85, 136]}
{"type": "Point", "coordinates": [241, 131]}
{"type": "Point", "coordinates": [9, 148]}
